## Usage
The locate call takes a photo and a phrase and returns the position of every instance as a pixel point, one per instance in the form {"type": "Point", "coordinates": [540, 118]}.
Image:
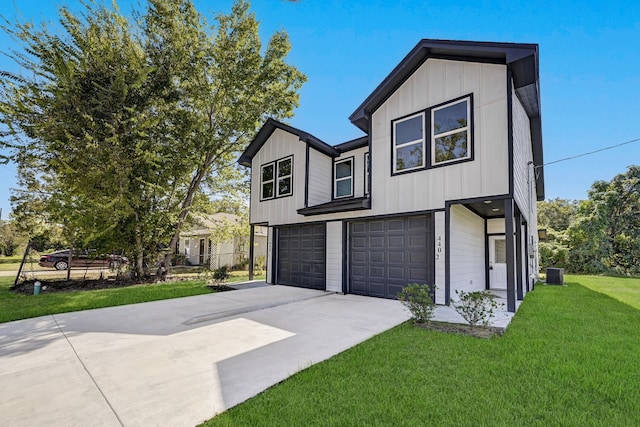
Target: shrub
{"type": "Point", "coordinates": [476, 307]}
{"type": "Point", "coordinates": [419, 301]}
{"type": "Point", "coordinates": [220, 275]}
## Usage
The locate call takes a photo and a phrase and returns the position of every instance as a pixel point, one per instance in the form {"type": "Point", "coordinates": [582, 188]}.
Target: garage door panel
{"type": "Point", "coordinates": [388, 254]}
{"type": "Point", "coordinates": [396, 272]}
{"type": "Point", "coordinates": [376, 226]}
{"type": "Point", "coordinates": [376, 256]}
{"type": "Point", "coordinates": [417, 241]}
{"type": "Point", "coordinates": [301, 256]}
{"type": "Point", "coordinates": [417, 223]}
{"type": "Point", "coordinates": [376, 272]}
{"type": "Point", "coordinates": [396, 241]}
{"type": "Point", "coordinates": [376, 242]}
{"type": "Point", "coordinates": [395, 257]}
{"type": "Point", "coordinates": [395, 225]}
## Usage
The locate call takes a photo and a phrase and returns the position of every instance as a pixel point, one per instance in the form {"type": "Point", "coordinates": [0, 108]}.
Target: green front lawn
{"type": "Point", "coordinates": [16, 306]}
{"type": "Point", "coordinates": [571, 357]}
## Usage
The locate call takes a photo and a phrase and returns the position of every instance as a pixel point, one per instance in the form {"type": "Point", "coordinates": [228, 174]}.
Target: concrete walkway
{"type": "Point", "coordinates": [174, 362]}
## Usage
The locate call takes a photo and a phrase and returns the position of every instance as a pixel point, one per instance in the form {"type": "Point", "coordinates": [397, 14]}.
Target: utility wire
{"type": "Point", "coordinates": [586, 154]}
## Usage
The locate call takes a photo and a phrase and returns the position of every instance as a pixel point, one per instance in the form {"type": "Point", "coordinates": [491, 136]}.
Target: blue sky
{"type": "Point", "coordinates": [589, 66]}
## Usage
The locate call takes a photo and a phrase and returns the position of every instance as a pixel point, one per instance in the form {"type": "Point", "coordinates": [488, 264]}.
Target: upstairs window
{"type": "Point", "coordinates": [267, 175]}
{"type": "Point", "coordinates": [343, 172]}
{"type": "Point", "coordinates": [408, 143]}
{"type": "Point", "coordinates": [276, 179]}
{"type": "Point", "coordinates": [285, 176]}
{"type": "Point", "coordinates": [450, 135]}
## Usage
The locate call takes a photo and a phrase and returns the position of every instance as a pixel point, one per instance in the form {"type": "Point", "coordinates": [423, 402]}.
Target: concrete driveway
{"type": "Point", "coordinates": [174, 362]}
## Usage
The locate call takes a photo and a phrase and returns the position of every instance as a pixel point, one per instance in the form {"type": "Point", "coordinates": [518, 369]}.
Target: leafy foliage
{"type": "Point", "coordinates": [606, 235]}
{"type": "Point", "coordinates": [597, 235]}
{"type": "Point", "coordinates": [118, 127]}
{"type": "Point", "coordinates": [419, 300]}
{"type": "Point", "coordinates": [475, 307]}
{"type": "Point", "coordinates": [555, 216]}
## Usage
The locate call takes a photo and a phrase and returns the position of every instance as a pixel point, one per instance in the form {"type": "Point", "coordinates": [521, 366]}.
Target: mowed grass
{"type": "Point", "coordinates": [571, 357]}
{"type": "Point", "coordinates": [18, 306]}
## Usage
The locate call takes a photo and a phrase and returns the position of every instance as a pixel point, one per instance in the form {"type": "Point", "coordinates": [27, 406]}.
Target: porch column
{"type": "Point", "coordinates": [519, 278]}
{"type": "Point", "coordinates": [509, 234]}
{"type": "Point", "coordinates": [252, 238]}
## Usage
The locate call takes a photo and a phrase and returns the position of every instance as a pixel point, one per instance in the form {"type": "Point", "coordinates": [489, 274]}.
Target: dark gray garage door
{"type": "Point", "coordinates": [388, 254]}
{"type": "Point", "coordinates": [301, 256]}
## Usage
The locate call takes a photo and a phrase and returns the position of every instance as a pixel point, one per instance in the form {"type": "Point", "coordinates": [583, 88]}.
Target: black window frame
{"type": "Point", "coordinates": [276, 178]}
{"type": "Point", "coordinates": [469, 130]}
{"type": "Point", "coordinates": [422, 141]}
{"type": "Point", "coordinates": [428, 158]}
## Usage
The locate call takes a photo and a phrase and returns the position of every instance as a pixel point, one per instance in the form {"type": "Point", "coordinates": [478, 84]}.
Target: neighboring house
{"type": "Point", "coordinates": [201, 246]}
{"type": "Point", "coordinates": [441, 190]}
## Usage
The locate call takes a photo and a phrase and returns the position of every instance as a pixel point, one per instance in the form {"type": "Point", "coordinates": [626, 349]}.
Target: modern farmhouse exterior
{"type": "Point", "coordinates": [441, 190]}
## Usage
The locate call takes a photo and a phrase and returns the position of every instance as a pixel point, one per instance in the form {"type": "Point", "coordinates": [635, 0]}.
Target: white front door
{"type": "Point", "coordinates": [497, 262]}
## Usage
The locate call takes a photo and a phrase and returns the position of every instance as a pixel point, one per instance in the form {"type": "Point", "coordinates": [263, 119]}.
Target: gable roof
{"type": "Point", "coordinates": [521, 59]}
{"type": "Point", "coordinates": [269, 127]}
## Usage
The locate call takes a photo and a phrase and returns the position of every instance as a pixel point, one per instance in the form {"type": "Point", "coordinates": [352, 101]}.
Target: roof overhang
{"type": "Point", "coordinates": [521, 58]}
{"type": "Point", "coordinates": [267, 130]}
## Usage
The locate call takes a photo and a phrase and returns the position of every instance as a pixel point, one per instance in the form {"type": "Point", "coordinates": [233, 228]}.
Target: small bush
{"type": "Point", "coordinates": [419, 301]}
{"type": "Point", "coordinates": [476, 307]}
{"type": "Point", "coordinates": [221, 275]}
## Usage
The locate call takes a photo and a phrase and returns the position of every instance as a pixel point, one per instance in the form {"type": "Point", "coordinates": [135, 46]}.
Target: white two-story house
{"type": "Point", "coordinates": [440, 190]}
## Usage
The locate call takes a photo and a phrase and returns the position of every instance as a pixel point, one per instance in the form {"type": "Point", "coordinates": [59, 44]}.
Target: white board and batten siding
{"type": "Point", "coordinates": [334, 256]}
{"type": "Point", "coordinates": [269, 257]}
{"type": "Point", "coordinates": [281, 210]}
{"type": "Point", "coordinates": [320, 174]}
{"type": "Point", "coordinates": [358, 169]}
{"type": "Point", "coordinates": [467, 248]}
{"type": "Point", "coordinates": [523, 172]}
{"type": "Point", "coordinates": [439, 261]}
{"type": "Point", "coordinates": [436, 82]}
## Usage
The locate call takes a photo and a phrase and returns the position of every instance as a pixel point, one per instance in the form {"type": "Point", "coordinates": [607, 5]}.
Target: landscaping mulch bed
{"type": "Point", "coordinates": [50, 286]}
{"type": "Point", "coordinates": [457, 328]}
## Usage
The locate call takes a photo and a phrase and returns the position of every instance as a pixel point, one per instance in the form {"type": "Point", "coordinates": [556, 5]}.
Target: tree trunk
{"type": "Point", "coordinates": [186, 206]}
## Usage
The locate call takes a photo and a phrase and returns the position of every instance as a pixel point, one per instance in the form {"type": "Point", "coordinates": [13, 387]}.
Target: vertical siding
{"type": "Point", "coordinates": [522, 155]}
{"type": "Point", "coordinates": [495, 226]}
{"type": "Point", "coordinates": [269, 255]}
{"type": "Point", "coordinates": [334, 256]}
{"type": "Point", "coordinates": [320, 176]}
{"type": "Point", "coordinates": [440, 248]}
{"type": "Point", "coordinates": [524, 183]}
{"type": "Point", "coordinates": [281, 210]}
{"type": "Point", "coordinates": [467, 251]}
{"type": "Point", "coordinates": [358, 169]}
{"type": "Point", "coordinates": [435, 82]}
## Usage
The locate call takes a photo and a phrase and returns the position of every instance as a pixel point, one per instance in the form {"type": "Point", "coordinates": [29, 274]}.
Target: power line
{"type": "Point", "coordinates": [590, 152]}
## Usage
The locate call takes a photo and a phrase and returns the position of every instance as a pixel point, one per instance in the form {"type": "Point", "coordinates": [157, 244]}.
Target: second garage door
{"type": "Point", "coordinates": [301, 256]}
{"type": "Point", "coordinates": [388, 254]}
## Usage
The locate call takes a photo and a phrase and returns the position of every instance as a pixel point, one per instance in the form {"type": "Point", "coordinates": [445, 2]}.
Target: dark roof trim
{"type": "Point", "coordinates": [354, 144]}
{"type": "Point", "coordinates": [523, 56]}
{"type": "Point", "coordinates": [269, 127]}
{"type": "Point", "coordinates": [356, 204]}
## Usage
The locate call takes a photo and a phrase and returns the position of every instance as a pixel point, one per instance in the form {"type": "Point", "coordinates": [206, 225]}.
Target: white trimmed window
{"type": "Point", "coordinates": [408, 143]}
{"type": "Point", "coordinates": [285, 176]}
{"type": "Point", "coordinates": [450, 132]}
{"type": "Point", "coordinates": [343, 173]}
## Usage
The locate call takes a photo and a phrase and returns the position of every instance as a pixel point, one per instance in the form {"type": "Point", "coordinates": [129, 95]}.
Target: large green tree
{"type": "Point", "coordinates": [605, 237]}
{"type": "Point", "coordinates": [555, 216]}
{"type": "Point", "coordinates": [118, 126]}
